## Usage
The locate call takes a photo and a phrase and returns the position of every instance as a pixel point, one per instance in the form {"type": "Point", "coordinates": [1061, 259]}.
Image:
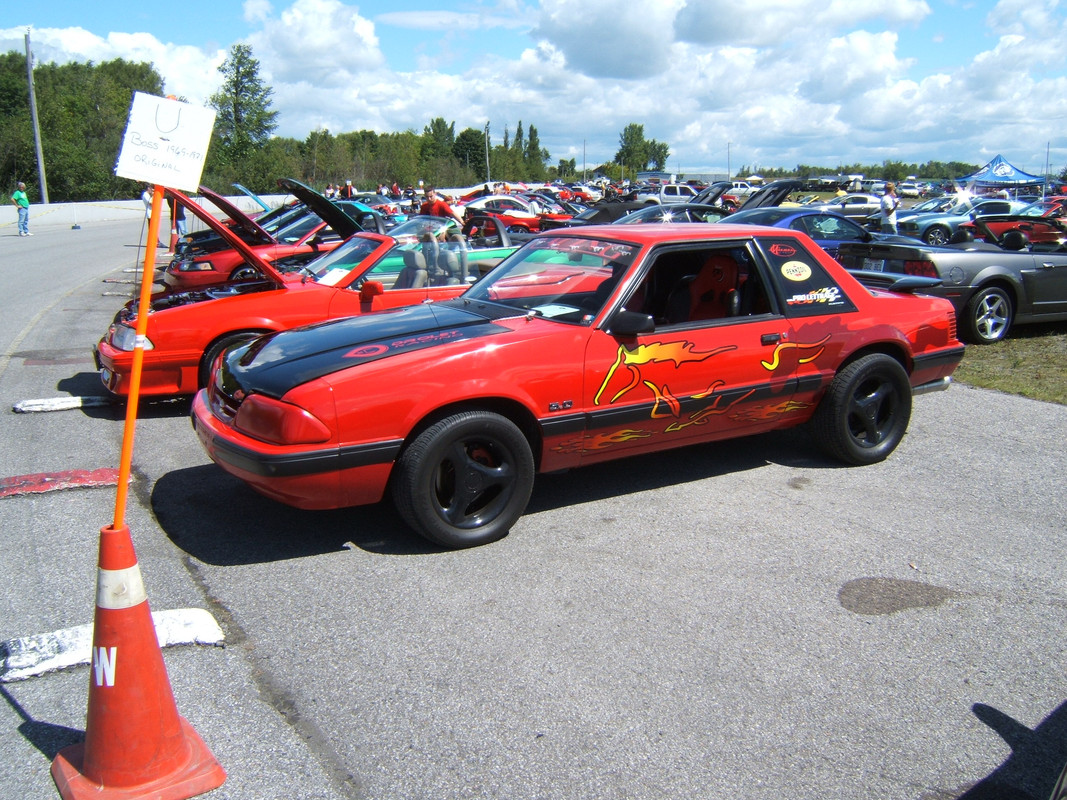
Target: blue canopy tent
{"type": "Point", "coordinates": [1000, 174]}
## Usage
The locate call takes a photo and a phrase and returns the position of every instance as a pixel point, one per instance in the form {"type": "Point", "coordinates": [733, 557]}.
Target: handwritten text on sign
{"type": "Point", "coordinates": [165, 142]}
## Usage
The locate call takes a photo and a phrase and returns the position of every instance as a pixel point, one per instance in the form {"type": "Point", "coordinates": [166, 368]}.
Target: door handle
{"type": "Point", "coordinates": [770, 338]}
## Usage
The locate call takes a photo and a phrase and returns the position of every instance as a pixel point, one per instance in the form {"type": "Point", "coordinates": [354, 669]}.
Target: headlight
{"type": "Point", "coordinates": [194, 266]}
{"type": "Point", "coordinates": [123, 337]}
{"type": "Point", "coordinates": [278, 422]}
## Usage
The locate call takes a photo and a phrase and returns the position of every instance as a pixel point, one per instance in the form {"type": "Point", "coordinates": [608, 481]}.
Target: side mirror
{"type": "Point", "coordinates": [630, 323]}
{"type": "Point", "coordinates": [369, 290]}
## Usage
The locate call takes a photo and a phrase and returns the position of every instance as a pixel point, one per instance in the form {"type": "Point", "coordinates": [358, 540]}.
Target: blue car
{"type": "Point", "coordinates": [828, 230]}
{"type": "Point", "coordinates": [937, 227]}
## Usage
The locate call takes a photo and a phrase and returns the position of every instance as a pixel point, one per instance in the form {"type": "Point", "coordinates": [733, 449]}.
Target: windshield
{"type": "Point", "coordinates": [414, 227]}
{"type": "Point", "coordinates": [563, 278]}
{"type": "Point", "coordinates": [335, 265]}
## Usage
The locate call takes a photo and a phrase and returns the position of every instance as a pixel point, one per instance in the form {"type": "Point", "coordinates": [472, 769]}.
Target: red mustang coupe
{"type": "Point", "coordinates": [369, 272]}
{"type": "Point", "coordinates": [584, 345]}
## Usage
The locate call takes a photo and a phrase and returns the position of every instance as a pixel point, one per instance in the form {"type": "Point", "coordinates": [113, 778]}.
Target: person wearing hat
{"type": "Point", "coordinates": [22, 203]}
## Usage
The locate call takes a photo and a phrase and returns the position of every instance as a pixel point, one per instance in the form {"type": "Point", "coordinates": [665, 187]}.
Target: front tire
{"type": "Point", "coordinates": [245, 273]}
{"type": "Point", "coordinates": [865, 412]}
{"type": "Point", "coordinates": [215, 351]}
{"type": "Point", "coordinates": [465, 480]}
{"type": "Point", "coordinates": [987, 316]}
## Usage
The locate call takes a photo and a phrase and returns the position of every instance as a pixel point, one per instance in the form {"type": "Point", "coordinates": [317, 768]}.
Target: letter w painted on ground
{"type": "Point", "coordinates": [104, 664]}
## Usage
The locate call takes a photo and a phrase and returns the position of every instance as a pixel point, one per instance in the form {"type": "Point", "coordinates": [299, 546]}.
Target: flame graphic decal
{"type": "Point", "coordinates": [653, 353]}
{"type": "Point", "coordinates": [809, 352]}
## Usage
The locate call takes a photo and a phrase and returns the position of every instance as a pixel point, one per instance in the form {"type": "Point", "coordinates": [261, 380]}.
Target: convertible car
{"type": "Point", "coordinates": [992, 286]}
{"type": "Point", "coordinates": [316, 227]}
{"type": "Point", "coordinates": [586, 344]}
{"type": "Point", "coordinates": [369, 272]}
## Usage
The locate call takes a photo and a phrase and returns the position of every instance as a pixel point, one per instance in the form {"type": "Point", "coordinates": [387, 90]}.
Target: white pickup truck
{"type": "Point", "coordinates": [669, 193]}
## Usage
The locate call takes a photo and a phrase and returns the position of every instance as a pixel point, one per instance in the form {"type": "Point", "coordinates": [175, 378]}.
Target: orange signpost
{"type": "Point", "coordinates": [136, 744]}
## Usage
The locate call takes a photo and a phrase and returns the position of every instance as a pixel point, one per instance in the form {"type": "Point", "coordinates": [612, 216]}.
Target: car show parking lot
{"type": "Point", "coordinates": [739, 620]}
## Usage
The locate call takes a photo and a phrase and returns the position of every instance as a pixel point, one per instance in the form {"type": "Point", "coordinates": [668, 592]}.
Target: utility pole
{"type": "Point", "coordinates": [488, 177]}
{"type": "Point", "coordinates": [36, 125]}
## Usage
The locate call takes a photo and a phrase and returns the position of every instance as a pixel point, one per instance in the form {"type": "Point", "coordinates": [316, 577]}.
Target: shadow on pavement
{"type": "Point", "coordinates": [217, 519]}
{"type": "Point", "coordinates": [1037, 756]}
{"type": "Point", "coordinates": [45, 736]}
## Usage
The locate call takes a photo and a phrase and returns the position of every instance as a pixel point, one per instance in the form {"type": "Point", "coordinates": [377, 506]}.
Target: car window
{"type": "Point", "coordinates": [804, 286]}
{"type": "Point", "coordinates": [298, 230]}
{"type": "Point", "coordinates": [687, 285]}
{"type": "Point", "coordinates": [828, 226]}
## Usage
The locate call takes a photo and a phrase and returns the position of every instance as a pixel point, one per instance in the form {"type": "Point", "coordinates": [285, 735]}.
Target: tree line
{"type": "Point", "coordinates": [83, 108]}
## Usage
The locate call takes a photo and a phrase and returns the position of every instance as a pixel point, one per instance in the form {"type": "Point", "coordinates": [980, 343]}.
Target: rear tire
{"type": "Point", "coordinates": [465, 480]}
{"type": "Point", "coordinates": [865, 412]}
{"type": "Point", "coordinates": [937, 235]}
{"type": "Point", "coordinates": [987, 316]}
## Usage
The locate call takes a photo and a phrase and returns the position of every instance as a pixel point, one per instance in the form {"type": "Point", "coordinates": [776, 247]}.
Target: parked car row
{"type": "Point", "coordinates": [522, 350]}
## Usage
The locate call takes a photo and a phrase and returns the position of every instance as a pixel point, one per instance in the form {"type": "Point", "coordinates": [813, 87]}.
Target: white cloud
{"type": "Point", "coordinates": [779, 82]}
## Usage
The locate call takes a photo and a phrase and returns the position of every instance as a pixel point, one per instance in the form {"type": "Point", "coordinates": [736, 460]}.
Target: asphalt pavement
{"type": "Point", "coordinates": [738, 620]}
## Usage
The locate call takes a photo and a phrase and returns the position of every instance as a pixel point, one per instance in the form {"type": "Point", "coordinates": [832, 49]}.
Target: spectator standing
{"type": "Point", "coordinates": [347, 191]}
{"type": "Point", "coordinates": [177, 216]}
{"type": "Point", "coordinates": [330, 191]}
{"type": "Point", "coordinates": [888, 210]}
{"type": "Point", "coordinates": [22, 203]}
{"type": "Point", "coordinates": [434, 206]}
{"type": "Point", "coordinates": [146, 198]}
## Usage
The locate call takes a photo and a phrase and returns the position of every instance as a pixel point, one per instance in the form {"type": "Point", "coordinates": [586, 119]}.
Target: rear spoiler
{"type": "Point", "coordinates": [894, 281]}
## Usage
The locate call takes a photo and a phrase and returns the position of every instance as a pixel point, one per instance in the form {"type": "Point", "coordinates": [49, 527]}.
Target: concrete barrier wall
{"type": "Point", "coordinates": [70, 214]}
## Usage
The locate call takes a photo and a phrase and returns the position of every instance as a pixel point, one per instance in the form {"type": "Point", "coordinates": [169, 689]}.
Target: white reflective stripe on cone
{"type": "Point", "coordinates": [117, 589]}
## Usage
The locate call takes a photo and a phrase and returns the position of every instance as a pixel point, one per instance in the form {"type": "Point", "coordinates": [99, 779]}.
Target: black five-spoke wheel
{"type": "Point", "coordinates": [866, 410]}
{"type": "Point", "coordinates": [465, 480]}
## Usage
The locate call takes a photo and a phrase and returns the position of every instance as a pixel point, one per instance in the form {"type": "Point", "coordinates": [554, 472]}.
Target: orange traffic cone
{"type": "Point", "coordinates": [136, 745]}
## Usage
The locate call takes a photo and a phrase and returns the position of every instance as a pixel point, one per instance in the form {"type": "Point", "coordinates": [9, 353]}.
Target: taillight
{"type": "Point", "coordinates": [923, 268]}
{"type": "Point", "coordinates": [277, 422]}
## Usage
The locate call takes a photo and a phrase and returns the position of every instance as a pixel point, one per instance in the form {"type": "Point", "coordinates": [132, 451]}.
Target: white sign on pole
{"type": "Point", "coordinates": [165, 142]}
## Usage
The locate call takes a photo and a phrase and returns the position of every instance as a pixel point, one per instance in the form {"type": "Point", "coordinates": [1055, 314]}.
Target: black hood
{"type": "Point", "coordinates": [773, 194]}
{"type": "Point", "coordinates": [278, 362]}
{"type": "Point", "coordinates": [341, 224]}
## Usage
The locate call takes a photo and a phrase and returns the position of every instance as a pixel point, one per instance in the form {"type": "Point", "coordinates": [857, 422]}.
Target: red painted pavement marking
{"type": "Point", "coordinates": [52, 481]}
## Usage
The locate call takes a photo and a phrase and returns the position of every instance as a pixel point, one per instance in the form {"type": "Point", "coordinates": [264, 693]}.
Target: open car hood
{"type": "Point", "coordinates": [342, 224]}
{"type": "Point", "coordinates": [227, 235]}
{"type": "Point", "coordinates": [240, 218]}
{"type": "Point", "coordinates": [252, 195]}
{"type": "Point", "coordinates": [772, 194]}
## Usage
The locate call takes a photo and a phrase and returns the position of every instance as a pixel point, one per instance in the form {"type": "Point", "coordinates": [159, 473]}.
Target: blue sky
{"type": "Point", "coordinates": [725, 83]}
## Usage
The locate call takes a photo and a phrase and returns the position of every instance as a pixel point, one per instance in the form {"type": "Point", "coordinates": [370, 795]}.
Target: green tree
{"type": "Point", "coordinates": [469, 150]}
{"type": "Point", "coordinates": [633, 149]}
{"type": "Point", "coordinates": [244, 120]}
{"type": "Point", "coordinates": [656, 155]}
{"type": "Point", "coordinates": [534, 156]}
{"type": "Point", "coordinates": [82, 111]}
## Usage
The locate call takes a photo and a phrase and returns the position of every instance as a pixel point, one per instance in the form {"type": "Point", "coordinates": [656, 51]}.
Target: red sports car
{"type": "Point", "coordinates": [369, 272]}
{"type": "Point", "coordinates": [584, 345]}
{"type": "Point", "coordinates": [320, 226]}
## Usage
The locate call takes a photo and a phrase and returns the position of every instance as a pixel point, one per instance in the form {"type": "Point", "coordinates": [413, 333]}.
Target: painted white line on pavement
{"type": "Point", "coordinates": [61, 404]}
{"type": "Point", "coordinates": [30, 656]}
